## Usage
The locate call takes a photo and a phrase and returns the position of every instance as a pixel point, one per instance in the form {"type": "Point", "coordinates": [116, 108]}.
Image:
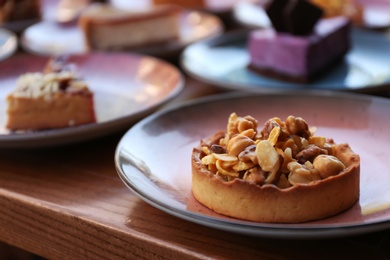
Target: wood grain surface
{"type": "Point", "coordinates": [69, 203]}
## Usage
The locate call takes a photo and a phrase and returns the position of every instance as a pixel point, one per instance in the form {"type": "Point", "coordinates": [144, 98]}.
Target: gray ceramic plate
{"type": "Point", "coordinates": [365, 68]}
{"type": "Point", "coordinates": [8, 43]}
{"type": "Point", "coordinates": [154, 157]}
{"type": "Point", "coordinates": [126, 87]}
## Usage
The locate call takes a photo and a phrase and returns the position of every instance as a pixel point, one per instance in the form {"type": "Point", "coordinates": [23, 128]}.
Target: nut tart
{"type": "Point", "coordinates": [281, 174]}
{"type": "Point", "coordinates": [54, 98]}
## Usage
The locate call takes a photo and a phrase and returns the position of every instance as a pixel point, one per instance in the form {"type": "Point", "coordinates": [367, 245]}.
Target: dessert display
{"type": "Point", "coordinates": [301, 45]}
{"type": "Point", "coordinates": [106, 27]}
{"type": "Point", "coordinates": [19, 10]}
{"type": "Point", "coordinates": [55, 98]}
{"type": "Point", "coordinates": [283, 173]}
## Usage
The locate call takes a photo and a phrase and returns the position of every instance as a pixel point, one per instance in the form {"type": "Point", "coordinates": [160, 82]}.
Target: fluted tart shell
{"type": "Point", "coordinates": [268, 203]}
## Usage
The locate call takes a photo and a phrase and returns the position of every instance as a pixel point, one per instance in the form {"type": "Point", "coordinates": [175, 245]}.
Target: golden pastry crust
{"type": "Point", "coordinates": [300, 202]}
{"type": "Point", "coordinates": [63, 110]}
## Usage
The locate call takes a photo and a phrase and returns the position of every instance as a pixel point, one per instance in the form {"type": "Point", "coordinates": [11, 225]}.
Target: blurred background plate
{"type": "Point", "coordinates": [375, 14]}
{"type": "Point", "coordinates": [162, 177]}
{"type": "Point", "coordinates": [223, 62]}
{"type": "Point", "coordinates": [24, 13]}
{"type": "Point", "coordinates": [8, 43]}
{"type": "Point", "coordinates": [123, 94]}
{"type": "Point", "coordinates": [51, 37]}
{"type": "Point", "coordinates": [19, 26]}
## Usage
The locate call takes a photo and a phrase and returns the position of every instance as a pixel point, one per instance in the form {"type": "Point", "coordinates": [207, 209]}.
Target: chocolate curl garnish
{"type": "Point", "coordinates": [297, 17]}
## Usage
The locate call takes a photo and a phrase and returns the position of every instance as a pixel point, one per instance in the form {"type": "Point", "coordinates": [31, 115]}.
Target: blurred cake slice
{"type": "Point", "coordinates": [56, 98]}
{"type": "Point", "coordinates": [106, 27]}
{"type": "Point", "coordinates": [301, 45]}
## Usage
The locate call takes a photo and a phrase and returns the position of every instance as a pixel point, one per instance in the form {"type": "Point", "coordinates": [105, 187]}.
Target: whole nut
{"type": "Point", "coordinates": [238, 143]}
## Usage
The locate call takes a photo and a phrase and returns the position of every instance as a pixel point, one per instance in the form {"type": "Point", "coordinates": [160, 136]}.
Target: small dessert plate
{"type": "Point", "coordinates": [8, 43]}
{"type": "Point", "coordinates": [49, 37]}
{"type": "Point", "coordinates": [153, 158]}
{"type": "Point", "coordinates": [136, 86]}
{"type": "Point", "coordinates": [365, 68]}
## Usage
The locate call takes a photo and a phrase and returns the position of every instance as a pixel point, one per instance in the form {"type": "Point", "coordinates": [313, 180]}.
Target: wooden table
{"type": "Point", "coordinates": [68, 202]}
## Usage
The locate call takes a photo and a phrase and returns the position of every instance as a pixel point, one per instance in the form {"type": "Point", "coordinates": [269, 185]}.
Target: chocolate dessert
{"type": "Point", "coordinates": [301, 45]}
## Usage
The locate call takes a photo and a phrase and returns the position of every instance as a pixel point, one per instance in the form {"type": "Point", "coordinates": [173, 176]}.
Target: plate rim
{"type": "Point", "coordinates": [294, 231]}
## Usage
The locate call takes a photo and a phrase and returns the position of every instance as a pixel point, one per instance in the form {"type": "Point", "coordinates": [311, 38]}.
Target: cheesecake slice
{"type": "Point", "coordinates": [106, 27]}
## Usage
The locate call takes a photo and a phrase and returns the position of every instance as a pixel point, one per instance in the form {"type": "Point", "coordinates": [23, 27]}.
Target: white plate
{"type": "Point", "coordinates": [365, 68]}
{"type": "Point", "coordinates": [154, 157]}
{"type": "Point", "coordinates": [126, 88]}
{"type": "Point", "coordinates": [8, 43]}
{"type": "Point", "coordinates": [49, 37]}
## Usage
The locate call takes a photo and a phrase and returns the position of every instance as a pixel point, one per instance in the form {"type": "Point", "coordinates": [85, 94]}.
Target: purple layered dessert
{"type": "Point", "coordinates": [299, 58]}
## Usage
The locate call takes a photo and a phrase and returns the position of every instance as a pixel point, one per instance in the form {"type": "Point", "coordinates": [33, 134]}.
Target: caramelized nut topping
{"type": "Point", "coordinates": [284, 153]}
